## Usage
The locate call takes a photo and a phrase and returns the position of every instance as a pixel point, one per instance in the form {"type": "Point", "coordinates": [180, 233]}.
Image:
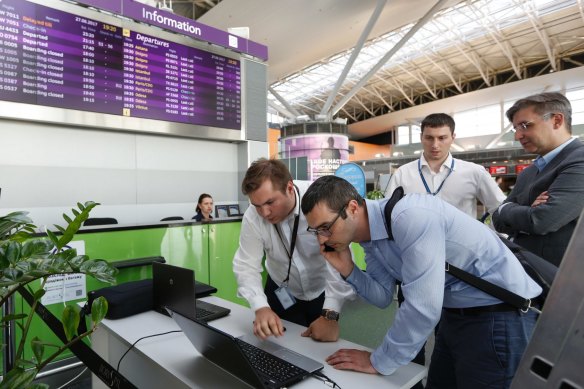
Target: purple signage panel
{"type": "Point", "coordinates": [53, 58]}
{"type": "Point", "coordinates": [108, 5]}
{"type": "Point", "coordinates": [325, 152]}
{"type": "Point", "coordinates": [189, 27]}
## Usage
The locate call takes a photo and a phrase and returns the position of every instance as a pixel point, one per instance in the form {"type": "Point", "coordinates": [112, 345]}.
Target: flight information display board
{"type": "Point", "coordinates": [54, 58]}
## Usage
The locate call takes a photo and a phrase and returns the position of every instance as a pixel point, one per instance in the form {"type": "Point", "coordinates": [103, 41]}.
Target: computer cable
{"type": "Point", "coordinates": [326, 380]}
{"type": "Point", "coordinates": [66, 384]}
{"type": "Point", "coordinates": [144, 337]}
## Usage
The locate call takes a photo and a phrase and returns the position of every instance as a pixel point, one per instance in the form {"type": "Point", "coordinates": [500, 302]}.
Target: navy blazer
{"type": "Point", "coordinates": [546, 229]}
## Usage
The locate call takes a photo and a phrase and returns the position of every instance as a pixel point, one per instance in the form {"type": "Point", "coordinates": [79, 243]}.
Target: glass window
{"type": "Point", "coordinates": [403, 135]}
{"type": "Point", "coordinates": [478, 121]}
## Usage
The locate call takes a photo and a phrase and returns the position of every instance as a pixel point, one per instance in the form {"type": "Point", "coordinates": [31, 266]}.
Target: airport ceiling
{"type": "Point", "coordinates": [461, 46]}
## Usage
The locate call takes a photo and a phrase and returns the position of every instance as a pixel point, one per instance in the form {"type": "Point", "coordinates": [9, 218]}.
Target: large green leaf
{"type": "Point", "coordinates": [100, 270]}
{"type": "Point", "coordinates": [37, 247]}
{"type": "Point", "coordinates": [99, 309]}
{"type": "Point", "coordinates": [18, 378]}
{"type": "Point", "coordinates": [71, 317]}
{"type": "Point", "coordinates": [74, 224]}
{"type": "Point", "coordinates": [12, 251]}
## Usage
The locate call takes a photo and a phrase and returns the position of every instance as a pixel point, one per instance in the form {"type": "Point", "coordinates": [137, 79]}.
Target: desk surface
{"type": "Point", "coordinates": [172, 360]}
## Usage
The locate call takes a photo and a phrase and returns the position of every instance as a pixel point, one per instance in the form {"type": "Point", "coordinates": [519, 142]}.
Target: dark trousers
{"type": "Point", "coordinates": [479, 351]}
{"type": "Point", "coordinates": [302, 313]}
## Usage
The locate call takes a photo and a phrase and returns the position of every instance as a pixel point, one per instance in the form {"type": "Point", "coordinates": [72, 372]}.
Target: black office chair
{"type": "Point", "coordinates": [98, 221]}
{"type": "Point", "coordinates": [166, 219]}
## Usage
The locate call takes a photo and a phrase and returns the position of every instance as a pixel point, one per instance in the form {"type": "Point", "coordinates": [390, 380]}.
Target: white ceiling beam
{"type": "Point", "coordinates": [540, 31]}
{"type": "Point", "coordinates": [358, 100]}
{"type": "Point", "coordinates": [388, 55]}
{"type": "Point", "coordinates": [446, 71]}
{"type": "Point", "coordinates": [400, 88]}
{"type": "Point", "coordinates": [349, 115]}
{"type": "Point", "coordinates": [420, 79]}
{"type": "Point", "coordinates": [356, 51]}
{"type": "Point", "coordinates": [281, 110]}
{"type": "Point", "coordinates": [380, 96]}
{"type": "Point", "coordinates": [581, 8]}
{"type": "Point", "coordinates": [283, 101]}
{"type": "Point", "coordinates": [487, 22]}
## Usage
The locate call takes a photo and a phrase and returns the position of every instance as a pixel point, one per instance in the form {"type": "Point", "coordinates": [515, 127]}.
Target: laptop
{"type": "Point", "coordinates": [260, 364]}
{"type": "Point", "coordinates": [174, 287]}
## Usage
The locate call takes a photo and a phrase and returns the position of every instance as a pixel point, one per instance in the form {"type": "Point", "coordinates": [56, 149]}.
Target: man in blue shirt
{"type": "Point", "coordinates": [480, 340]}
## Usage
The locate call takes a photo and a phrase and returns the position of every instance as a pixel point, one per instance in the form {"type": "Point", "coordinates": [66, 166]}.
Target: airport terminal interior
{"type": "Point", "coordinates": [128, 126]}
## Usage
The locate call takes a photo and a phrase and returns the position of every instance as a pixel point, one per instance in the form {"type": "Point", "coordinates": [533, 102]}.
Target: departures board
{"type": "Point", "coordinates": [53, 58]}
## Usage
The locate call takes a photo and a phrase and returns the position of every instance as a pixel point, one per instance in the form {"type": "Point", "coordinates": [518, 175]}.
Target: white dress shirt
{"type": "Point", "coordinates": [310, 274]}
{"type": "Point", "coordinates": [467, 183]}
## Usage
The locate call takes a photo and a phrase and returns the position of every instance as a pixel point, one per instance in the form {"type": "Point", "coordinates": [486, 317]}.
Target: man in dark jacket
{"type": "Point", "coordinates": [542, 210]}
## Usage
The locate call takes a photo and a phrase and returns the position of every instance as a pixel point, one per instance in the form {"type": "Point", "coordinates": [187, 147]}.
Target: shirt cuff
{"type": "Point", "coordinates": [258, 302]}
{"type": "Point", "coordinates": [333, 304]}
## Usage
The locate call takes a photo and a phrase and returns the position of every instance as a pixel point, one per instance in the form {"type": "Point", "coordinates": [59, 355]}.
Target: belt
{"type": "Point", "coordinates": [473, 311]}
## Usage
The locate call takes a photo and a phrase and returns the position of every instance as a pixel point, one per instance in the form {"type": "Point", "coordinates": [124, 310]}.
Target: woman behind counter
{"type": "Point", "coordinates": [204, 208]}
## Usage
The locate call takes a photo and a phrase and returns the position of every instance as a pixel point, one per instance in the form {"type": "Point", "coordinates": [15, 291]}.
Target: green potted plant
{"type": "Point", "coordinates": [374, 194]}
{"type": "Point", "coordinates": [24, 259]}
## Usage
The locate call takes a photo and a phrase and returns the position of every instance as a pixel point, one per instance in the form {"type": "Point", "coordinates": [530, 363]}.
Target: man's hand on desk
{"type": "Point", "coordinates": [267, 323]}
{"type": "Point", "coordinates": [351, 359]}
{"type": "Point", "coordinates": [323, 330]}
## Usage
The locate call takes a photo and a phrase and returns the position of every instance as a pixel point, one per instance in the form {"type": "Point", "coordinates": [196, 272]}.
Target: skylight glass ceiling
{"type": "Point", "coordinates": [462, 23]}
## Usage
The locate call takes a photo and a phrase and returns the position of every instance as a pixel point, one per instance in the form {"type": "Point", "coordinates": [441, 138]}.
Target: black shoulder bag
{"type": "Point", "coordinates": [540, 270]}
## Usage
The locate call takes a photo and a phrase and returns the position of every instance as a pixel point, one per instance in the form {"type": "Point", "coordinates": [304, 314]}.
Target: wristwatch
{"type": "Point", "coordinates": [329, 314]}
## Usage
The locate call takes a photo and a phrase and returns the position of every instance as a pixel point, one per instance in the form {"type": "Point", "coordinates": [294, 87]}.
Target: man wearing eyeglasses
{"type": "Point", "coordinates": [542, 210]}
{"type": "Point", "coordinates": [301, 287]}
{"type": "Point", "coordinates": [480, 340]}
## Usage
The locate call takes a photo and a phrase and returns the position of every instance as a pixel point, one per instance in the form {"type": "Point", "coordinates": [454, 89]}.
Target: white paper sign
{"type": "Point", "coordinates": [61, 288]}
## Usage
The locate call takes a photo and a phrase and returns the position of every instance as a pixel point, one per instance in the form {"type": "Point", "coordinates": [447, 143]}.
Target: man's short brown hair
{"type": "Point", "coordinates": [545, 103]}
{"type": "Point", "coordinates": [266, 169]}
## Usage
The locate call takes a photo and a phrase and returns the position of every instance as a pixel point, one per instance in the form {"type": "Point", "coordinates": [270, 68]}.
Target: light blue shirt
{"type": "Point", "coordinates": [541, 162]}
{"type": "Point", "coordinates": [428, 232]}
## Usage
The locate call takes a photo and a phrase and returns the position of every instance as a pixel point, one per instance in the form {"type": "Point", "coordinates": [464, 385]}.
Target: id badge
{"type": "Point", "coordinates": [285, 297]}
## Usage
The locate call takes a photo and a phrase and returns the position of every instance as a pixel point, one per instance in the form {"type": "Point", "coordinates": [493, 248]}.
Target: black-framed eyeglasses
{"type": "Point", "coordinates": [326, 231]}
{"type": "Point", "coordinates": [524, 126]}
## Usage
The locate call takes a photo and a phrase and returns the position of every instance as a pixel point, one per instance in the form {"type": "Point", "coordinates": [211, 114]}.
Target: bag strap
{"type": "Point", "coordinates": [98, 366]}
{"type": "Point", "coordinates": [494, 290]}
{"type": "Point", "coordinates": [396, 196]}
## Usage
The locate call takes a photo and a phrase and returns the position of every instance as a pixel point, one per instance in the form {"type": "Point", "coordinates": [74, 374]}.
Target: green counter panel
{"type": "Point", "coordinates": [223, 243]}
{"type": "Point", "coordinates": [358, 255]}
{"type": "Point", "coordinates": [183, 245]}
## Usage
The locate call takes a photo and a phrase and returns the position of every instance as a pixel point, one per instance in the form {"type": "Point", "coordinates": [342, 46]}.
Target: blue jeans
{"type": "Point", "coordinates": [479, 351]}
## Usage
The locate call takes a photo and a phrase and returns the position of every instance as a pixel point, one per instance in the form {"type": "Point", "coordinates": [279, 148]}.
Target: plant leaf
{"type": "Point", "coordinates": [53, 237]}
{"type": "Point", "coordinates": [71, 317]}
{"type": "Point", "coordinates": [75, 224]}
{"type": "Point", "coordinates": [18, 378]}
{"type": "Point", "coordinates": [99, 309]}
{"type": "Point", "coordinates": [38, 349]}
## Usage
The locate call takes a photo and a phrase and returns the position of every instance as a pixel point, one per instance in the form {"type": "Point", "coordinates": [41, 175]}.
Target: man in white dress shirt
{"type": "Point", "coordinates": [436, 172]}
{"type": "Point", "coordinates": [301, 286]}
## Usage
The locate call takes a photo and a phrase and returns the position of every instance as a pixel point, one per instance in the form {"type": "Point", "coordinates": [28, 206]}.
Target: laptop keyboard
{"type": "Point", "coordinates": [202, 313]}
{"type": "Point", "coordinates": [274, 368]}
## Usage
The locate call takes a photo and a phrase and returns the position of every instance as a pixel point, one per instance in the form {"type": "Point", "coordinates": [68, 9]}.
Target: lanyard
{"type": "Point", "coordinates": [292, 240]}
{"type": "Point", "coordinates": [424, 180]}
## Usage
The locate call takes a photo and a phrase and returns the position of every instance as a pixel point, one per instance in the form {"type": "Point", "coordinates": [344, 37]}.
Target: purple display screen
{"type": "Point", "coordinates": [53, 58]}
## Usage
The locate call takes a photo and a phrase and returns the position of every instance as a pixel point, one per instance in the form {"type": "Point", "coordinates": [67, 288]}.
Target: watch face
{"type": "Point", "coordinates": [330, 315]}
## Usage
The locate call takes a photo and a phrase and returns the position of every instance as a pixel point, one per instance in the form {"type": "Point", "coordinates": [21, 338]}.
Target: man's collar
{"type": "Point", "coordinates": [447, 162]}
